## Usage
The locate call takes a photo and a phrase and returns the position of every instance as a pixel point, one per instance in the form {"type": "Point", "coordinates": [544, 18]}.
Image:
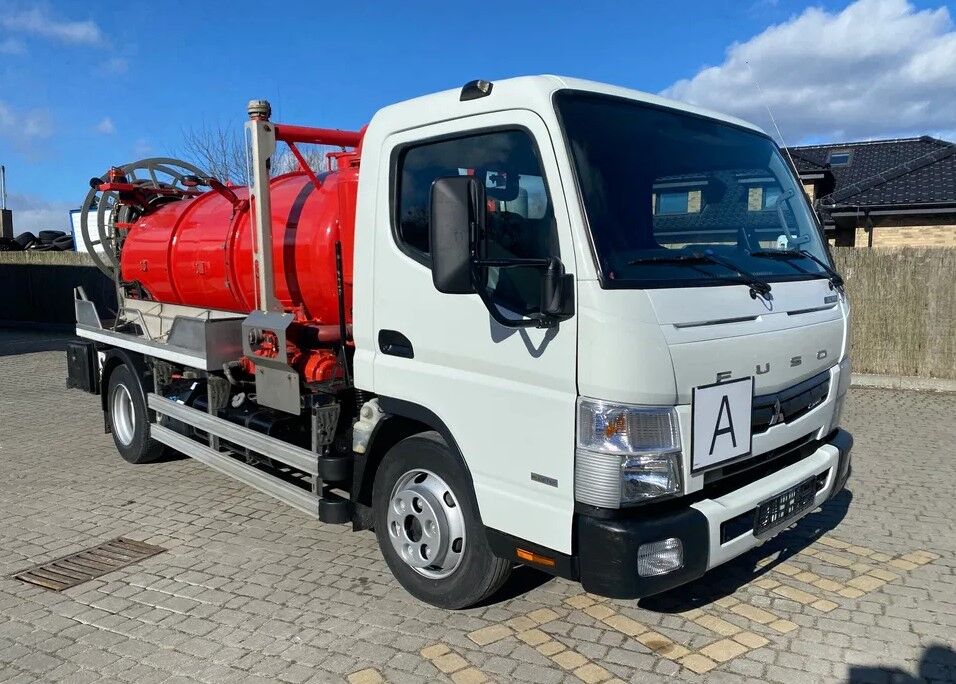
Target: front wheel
{"type": "Point", "coordinates": [428, 526]}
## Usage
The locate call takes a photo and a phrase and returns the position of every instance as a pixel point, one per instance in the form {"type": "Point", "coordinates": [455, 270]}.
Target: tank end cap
{"type": "Point", "coordinates": [259, 109]}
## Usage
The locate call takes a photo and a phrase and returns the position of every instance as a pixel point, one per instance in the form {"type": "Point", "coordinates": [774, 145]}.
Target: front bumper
{"type": "Point", "coordinates": [607, 548]}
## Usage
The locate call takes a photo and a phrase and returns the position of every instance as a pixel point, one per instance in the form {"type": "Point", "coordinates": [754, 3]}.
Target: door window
{"type": "Point", "coordinates": [519, 220]}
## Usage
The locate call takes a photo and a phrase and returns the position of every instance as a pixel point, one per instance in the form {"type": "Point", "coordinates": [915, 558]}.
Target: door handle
{"type": "Point", "coordinates": [394, 343]}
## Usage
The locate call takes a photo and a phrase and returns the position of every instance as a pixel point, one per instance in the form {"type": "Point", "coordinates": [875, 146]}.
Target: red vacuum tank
{"type": "Point", "coordinates": [198, 251]}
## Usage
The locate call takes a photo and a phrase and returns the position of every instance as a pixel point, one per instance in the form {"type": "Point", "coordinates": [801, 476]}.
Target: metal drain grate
{"type": "Point", "coordinates": [83, 566]}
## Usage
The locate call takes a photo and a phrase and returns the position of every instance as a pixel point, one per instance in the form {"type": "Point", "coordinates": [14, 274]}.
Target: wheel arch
{"type": "Point", "coordinates": [403, 419]}
{"type": "Point", "coordinates": [135, 362]}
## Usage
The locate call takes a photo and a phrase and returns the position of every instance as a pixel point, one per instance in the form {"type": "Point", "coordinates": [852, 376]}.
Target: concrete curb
{"type": "Point", "coordinates": [903, 382]}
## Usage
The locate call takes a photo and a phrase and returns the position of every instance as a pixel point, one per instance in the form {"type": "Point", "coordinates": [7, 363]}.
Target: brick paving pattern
{"type": "Point", "coordinates": [250, 590]}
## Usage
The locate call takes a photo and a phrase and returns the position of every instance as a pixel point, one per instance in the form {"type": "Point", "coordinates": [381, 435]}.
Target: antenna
{"type": "Point", "coordinates": [772, 119]}
{"type": "Point", "coordinates": [3, 187]}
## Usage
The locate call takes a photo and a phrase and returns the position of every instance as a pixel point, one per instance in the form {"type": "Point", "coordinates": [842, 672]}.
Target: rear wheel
{"type": "Point", "coordinates": [428, 526]}
{"type": "Point", "coordinates": [129, 417]}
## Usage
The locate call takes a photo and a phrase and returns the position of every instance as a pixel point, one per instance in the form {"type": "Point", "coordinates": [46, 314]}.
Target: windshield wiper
{"type": "Point", "coordinates": [786, 254]}
{"type": "Point", "coordinates": [757, 286]}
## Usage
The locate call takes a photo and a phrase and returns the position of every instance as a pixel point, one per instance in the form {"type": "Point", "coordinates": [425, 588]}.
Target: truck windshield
{"type": "Point", "coordinates": [658, 183]}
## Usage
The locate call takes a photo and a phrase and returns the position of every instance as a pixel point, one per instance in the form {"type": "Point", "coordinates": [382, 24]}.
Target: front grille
{"type": "Point", "coordinates": [787, 405]}
{"type": "Point", "coordinates": [804, 446]}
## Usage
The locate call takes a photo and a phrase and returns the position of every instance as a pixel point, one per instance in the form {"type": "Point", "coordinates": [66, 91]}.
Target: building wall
{"type": "Point", "coordinates": [943, 235]}
{"type": "Point", "coordinates": [694, 201]}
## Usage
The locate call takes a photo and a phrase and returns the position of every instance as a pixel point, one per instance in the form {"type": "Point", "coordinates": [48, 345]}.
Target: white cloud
{"type": "Point", "coordinates": [877, 68]}
{"type": "Point", "coordinates": [39, 21]}
{"type": "Point", "coordinates": [36, 123]}
{"type": "Point", "coordinates": [33, 214]}
{"type": "Point", "coordinates": [23, 128]}
{"type": "Point", "coordinates": [106, 126]}
{"type": "Point", "coordinates": [12, 46]}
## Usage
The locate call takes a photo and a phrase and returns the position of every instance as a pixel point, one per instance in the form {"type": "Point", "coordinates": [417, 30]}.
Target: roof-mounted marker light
{"type": "Point", "coordinates": [475, 89]}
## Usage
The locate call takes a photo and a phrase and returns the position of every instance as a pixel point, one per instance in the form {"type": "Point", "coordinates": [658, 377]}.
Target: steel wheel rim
{"type": "Point", "coordinates": [124, 418]}
{"type": "Point", "coordinates": [426, 525]}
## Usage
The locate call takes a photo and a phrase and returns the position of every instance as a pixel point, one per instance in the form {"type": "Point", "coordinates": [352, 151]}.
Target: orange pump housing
{"type": "Point", "coordinates": [198, 251]}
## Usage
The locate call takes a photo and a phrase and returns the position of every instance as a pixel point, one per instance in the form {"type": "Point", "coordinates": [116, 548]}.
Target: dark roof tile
{"type": "Point", "coordinates": [887, 172]}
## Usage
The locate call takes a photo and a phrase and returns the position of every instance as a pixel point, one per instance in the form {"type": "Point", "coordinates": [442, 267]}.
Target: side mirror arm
{"type": "Point", "coordinates": [557, 290]}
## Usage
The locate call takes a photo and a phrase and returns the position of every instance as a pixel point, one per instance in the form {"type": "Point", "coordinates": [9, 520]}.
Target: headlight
{"type": "Point", "coordinates": [625, 454]}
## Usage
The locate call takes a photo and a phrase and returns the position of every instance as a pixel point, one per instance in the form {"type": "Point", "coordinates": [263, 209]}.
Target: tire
{"type": "Point", "coordinates": [129, 418]}
{"type": "Point", "coordinates": [25, 239]}
{"type": "Point", "coordinates": [64, 243]}
{"type": "Point", "coordinates": [48, 236]}
{"type": "Point", "coordinates": [431, 481]}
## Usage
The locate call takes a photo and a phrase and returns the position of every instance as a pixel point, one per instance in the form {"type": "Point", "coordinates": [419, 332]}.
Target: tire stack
{"type": "Point", "coordinates": [46, 241]}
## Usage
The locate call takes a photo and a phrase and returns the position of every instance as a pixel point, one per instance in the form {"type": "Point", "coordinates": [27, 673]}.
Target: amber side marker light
{"type": "Point", "coordinates": [536, 558]}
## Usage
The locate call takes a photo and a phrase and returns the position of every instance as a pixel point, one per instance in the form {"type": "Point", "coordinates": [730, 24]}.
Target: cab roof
{"type": "Point", "coordinates": [523, 92]}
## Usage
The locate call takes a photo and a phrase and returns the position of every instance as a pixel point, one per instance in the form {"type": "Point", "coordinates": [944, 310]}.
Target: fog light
{"type": "Point", "coordinates": [660, 558]}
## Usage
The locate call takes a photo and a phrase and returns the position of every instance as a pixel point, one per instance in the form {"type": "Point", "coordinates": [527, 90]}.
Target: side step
{"type": "Point", "coordinates": [289, 454]}
{"type": "Point", "coordinates": [294, 496]}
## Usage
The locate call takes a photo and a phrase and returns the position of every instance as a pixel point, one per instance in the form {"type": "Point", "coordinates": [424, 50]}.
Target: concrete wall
{"type": "Point", "coordinates": [33, 292]}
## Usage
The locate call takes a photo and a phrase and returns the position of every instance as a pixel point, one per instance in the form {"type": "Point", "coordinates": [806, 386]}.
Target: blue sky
{"type": "Point", "coordinates": [87, 85]}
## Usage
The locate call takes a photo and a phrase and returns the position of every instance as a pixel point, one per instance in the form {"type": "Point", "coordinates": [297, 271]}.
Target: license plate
{"type": "Point", "coordinates": [775, 513]}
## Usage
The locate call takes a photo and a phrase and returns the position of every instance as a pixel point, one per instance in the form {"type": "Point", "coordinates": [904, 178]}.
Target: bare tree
{"type": "Point", "coordinates": [217, 149]}
{"type": "Point", "coordinates": [221, 151]}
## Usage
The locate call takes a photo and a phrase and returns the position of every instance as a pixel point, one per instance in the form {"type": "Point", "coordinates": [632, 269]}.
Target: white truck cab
{"type": "Point", "coordinates": [593, 331]}
{"type": "Point", "coordinates": [579, 435]}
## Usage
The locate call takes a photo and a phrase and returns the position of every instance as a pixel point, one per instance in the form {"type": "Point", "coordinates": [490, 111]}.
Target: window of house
{"type": "Point", "coordinates": [771, 194]}
{"type": "Point", "coordinates": [519, 220]}
{"type": "Point", "coordinates": [839, 158]}
{"type": "Point", "coordinates": [762, 197]}
{"type": "Point", "coordinates": [672, 203]}
{"type": "Point", "coordinates": [677, 202]}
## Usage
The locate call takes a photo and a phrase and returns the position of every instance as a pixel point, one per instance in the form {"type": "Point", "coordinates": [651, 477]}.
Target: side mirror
{"type": "Point", "coordinates": [557, 291]}
{"type": "Point", "coordinates": [456, 211]}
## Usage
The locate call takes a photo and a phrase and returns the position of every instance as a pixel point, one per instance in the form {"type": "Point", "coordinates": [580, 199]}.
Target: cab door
{"type": "Point", "coordinates": [506, 394]}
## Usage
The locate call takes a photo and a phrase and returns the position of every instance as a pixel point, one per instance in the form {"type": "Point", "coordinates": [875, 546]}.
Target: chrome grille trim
{"type": "Point", "coordinates": [795, 401]}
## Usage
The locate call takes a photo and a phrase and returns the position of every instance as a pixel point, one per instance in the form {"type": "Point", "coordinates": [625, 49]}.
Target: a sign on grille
{"type": "Point", "coordinates": [83, 566]}
{"type": "Point", "coordinates": [774, 513]}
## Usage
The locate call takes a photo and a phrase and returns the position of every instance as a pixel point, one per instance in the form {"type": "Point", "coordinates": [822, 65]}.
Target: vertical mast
{"type": "Point", "coordinates": [261, 145]}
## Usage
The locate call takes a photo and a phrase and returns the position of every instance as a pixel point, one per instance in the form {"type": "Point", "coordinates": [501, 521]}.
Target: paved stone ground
{"type": "Point", "coordinates": [864, 590]}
